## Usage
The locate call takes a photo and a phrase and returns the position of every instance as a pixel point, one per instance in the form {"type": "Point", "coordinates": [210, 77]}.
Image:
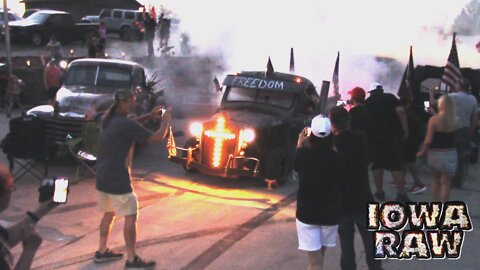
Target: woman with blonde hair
{"type": "Point", "coordinates": [440, 148]}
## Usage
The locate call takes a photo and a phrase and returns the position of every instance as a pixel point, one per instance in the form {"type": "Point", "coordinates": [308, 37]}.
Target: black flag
{"type": "Point", "coordinates": [336, 86]}
{"type": "Point", "coordinates": [292, 61]}
{"type": "Point", "coordinates": [218, 87]}
{"type": "Point", "coordinates": [270, 69]}
{"type": "Point", "coordinates": [405, 91]}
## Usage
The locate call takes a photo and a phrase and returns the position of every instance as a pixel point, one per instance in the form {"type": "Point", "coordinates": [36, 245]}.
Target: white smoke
{"type": "Point", "coordinates": [245, 33]}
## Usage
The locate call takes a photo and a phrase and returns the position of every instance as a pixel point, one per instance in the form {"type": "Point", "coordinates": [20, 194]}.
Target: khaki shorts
{"type": "Point", "coordinates": [120, 204]}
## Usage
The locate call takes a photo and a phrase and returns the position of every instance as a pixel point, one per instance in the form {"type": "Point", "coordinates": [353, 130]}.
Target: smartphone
{"type": "Point", "coordinates": [341, 103]}
{"type": "Point", "coordinates": [307, 131]}
{"type": "Point", "coordinates": [427, 105]}
{"type": "Point", "coordinates": [61, 190]}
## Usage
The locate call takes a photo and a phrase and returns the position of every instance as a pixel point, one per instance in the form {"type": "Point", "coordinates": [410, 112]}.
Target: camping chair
{"type": "Point", "coordinates": [84, 149]}
{"type": "Point", "coordinates": [26, 148]}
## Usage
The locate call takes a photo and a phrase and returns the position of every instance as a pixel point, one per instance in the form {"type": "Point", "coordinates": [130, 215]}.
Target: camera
{"type": "Point", "coordinates": [427, 105]}
{"type": "Point", "coordinates": [307, 131]}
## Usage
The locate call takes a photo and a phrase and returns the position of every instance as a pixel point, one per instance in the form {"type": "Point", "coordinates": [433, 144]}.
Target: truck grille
{"type": "Point", "coordinates": [219, 141]}
{"type": "Point", "coordinates": [57, 128]}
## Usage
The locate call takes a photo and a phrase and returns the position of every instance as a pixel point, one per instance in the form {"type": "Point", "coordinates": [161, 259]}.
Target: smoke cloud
{"type": "Point", "coordinates": [244, 34]}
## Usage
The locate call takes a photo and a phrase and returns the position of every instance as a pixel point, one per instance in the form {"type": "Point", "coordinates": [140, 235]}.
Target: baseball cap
{"type": "Point", "coordinates": [321, 126]}
{"type": "Point", "coordinates": [357, 93]}
{"type": "Point", "coordinates": [375, 86]}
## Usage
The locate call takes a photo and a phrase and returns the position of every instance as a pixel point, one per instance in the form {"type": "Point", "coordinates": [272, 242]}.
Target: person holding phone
{"type": "Point", "coordinates": [22, 231]}
{"type": "Point", "coordinates": [115, 192]}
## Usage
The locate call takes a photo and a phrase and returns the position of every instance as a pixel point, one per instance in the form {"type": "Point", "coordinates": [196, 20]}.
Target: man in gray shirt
{"type": "Point", "coordinates": [467, 112]}
{"type": "Point", "coordinates": [115, 193]}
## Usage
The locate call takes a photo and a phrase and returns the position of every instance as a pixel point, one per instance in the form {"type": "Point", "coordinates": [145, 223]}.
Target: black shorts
{"type": "Point", "coordinates": [409, 151]}
{"type": "Point", "coordinates": [387, 154]}
{"type": "Point", "coordinates": [52, 92]}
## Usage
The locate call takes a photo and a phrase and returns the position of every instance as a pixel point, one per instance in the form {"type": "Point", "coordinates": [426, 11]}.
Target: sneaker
{"type": "Point", "coordinates": [417, 189]}
{"type": "Point", "coordinates": [139, 264]}
{"type": "Point", "coordinates": [107, 256]}
{"type": "Point", "coordinates": [403, 198]}
{"type": "Point", "coordinates": [380, 196]}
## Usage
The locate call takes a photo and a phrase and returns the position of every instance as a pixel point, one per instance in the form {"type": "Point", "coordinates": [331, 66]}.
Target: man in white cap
{"type": "Point", "coordinates": [389, 130]}
{"type": "Point", "coordinates": [321, 171]}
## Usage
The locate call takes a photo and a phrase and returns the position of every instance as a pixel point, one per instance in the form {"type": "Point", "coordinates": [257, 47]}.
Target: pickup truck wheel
{"type": "Point", "coordinates": [192, 142]}
{"type": "Point", "coordinates": [36, 39]}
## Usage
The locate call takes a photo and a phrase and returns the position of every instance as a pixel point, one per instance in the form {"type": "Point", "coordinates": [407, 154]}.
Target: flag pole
{"type": "Point", "coordinates": [8, 48]}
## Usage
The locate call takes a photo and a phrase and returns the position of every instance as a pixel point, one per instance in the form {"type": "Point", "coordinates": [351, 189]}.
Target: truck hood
{"type": "Point", "coordinates": [83, 100]}
{"type": "Point", "coordinates": [22, 23]}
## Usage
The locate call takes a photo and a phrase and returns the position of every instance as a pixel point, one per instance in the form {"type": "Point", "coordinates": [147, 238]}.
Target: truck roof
{"type": "Point", "coordinates": [50, 11]}
{"type": "Point", "coordinates": [104, 61]}
{"type": "Point", "coordinates": [276, 81]}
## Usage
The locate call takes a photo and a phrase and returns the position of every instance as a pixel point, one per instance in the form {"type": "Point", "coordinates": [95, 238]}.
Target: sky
{"type": "Point", "coordinates": [245, 33]}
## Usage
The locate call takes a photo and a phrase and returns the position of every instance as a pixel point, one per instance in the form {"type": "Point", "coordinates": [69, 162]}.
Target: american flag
{"type": "Point", "coordinates": [292, 62]}
{"type": "Point", "coordinates": [218, 87]}
{"type": "Point", "coordinates": [172, 150]}
{"type": "Point", "coordinates": [405, 91]}
{"type": "Point", "coordinates": [452, 73]}
{"type": "Point", "coordinates": [336, 87]}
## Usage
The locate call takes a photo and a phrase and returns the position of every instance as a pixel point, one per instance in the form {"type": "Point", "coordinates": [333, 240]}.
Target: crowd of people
{"type": "Point", "coordinates": [379, 133]}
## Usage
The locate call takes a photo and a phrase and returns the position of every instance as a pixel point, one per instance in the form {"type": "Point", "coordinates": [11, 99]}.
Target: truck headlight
{"type": "Point", "coordinates": [248, 135]}
{"type": "Point", "coordinates": [196, 129]}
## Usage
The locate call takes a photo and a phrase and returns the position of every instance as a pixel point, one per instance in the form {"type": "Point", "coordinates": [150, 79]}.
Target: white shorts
{"type": "Point", "coordinates": [314, 237]}
{"type": "Point", "coordinates": [121, 204]}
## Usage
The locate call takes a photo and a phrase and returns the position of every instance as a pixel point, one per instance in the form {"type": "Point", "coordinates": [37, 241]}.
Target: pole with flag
{"type": "Point", "coordinates": [336, 87]}
{"type": "Point", "coordinates": [292, 62]}
{"type": "Point", "coordinates": [270, 69]}
{"type": "Point", "coordinates": [171, 147]}
{"type": "Point", "coordinates": [405, 91]}
{"type": "Point", "coordinates": [218, 87]}
{"type": "Point", "coordinates": [452, 73]}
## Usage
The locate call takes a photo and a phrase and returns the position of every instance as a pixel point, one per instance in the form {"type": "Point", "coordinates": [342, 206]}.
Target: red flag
{"type": "Point", "coordinates": [336, 87]}
{"type": "Point", "coordinates": [405, 91]}
{"type": "Point", "coordinates": [292, 61]}
{"type": "Point", "coordinates": [452, 73]}
{"type": "Point", "coordinates": [270, 69]}
{"type": "Point", "coordinates": [153, 13]}
{"type": "Point", "coordinates": [172, 150]}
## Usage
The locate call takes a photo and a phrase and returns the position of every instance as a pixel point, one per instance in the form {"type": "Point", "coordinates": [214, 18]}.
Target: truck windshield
{"type": "Point", "coordinates": [37, 17]}
{"type": "Point", "coordinates": [111, 77]}
{"type": "Point", "coordinates": [278, 99]}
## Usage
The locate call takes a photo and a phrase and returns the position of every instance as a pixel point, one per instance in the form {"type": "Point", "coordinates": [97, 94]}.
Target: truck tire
{"type": "Point", "coordinates": [36, 39]}
{"type": "Point", "coordinates": [189, 143]}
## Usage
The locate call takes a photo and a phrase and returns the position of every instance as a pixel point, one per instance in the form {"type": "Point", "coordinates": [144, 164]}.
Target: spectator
{"type": "Point", "coordinates": [389, 129]}
{"type": "Point", "coordinates": [411, 146]}
{"type": "Point", "coordinates": [466, 107]}
{"type": "Point", "coordinates": [92, 46]}
{"type": "Point", "coordinates": [114, 188]}
{"type": "Point", "coordinates": [360, 118]}
{"type": "Point", "coordinates": [102, 38]}
{"type": "Point", "coordinates": [52, 79]}
{"type": "Point", "coordinates": [150, 26]}
{"type": "Point", "coordinates": [321, 172]}
{"type": "Point", "coordinates": [355, 190]}
{"type": "Point", "coordinates": [164, 29]}
{"type": "Point", "coordinates": [439, 145]}
{"type": "Point", "coordinates": [54, 48]}
{"type": "Point", "coordinates": [12, 95]}
{"type": "Point", "coordinates": [22, 231]}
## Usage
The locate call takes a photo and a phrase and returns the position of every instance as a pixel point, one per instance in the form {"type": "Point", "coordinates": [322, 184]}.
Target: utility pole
{"type": "Point", "coordinates": [7, 38]}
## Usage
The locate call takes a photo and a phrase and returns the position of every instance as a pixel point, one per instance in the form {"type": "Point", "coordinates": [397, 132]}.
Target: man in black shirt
{"type": "Point", "coordinates": [355, 192]}
{"type": "Point", "coordinates": [389, 130]}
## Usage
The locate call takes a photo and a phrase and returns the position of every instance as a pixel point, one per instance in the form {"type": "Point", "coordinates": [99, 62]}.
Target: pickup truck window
{"type": "Point", "coordinates": [37, 17]}
{"type": "Point", "coordinates": [111, 77]}
{"type": "Point", "coordinates": [105, 13]}
{"type": "Point", "coordinates": [129, 15]}
{"type": "Point", "coordinates": [277, 99]}
{"type": "Point", "coordinates": [117, 14]}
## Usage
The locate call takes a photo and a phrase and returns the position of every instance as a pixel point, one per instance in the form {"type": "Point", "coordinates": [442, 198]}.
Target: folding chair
{"type": "Point", "coordinates": [25, 147]}
{"type": "Point", "coordinates": [84, 149]}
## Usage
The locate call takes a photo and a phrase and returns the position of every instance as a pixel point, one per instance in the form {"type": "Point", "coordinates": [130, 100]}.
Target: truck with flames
{"type": "Point", "coordinates": [254, 132]}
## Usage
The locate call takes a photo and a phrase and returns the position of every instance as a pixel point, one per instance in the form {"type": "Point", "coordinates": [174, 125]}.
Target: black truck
{"type": "Point", "coordinates": [254, 132]}
{"type": "Point", "coordinates": [41, 25]}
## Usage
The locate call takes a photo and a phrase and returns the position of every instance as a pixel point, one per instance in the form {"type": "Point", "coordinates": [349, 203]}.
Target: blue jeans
{"type": "Point", "coordinates": [346, 232]}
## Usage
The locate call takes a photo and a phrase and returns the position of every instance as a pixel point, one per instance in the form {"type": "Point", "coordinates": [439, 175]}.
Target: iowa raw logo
{"type": "Point", "coordinates": [435, 230]}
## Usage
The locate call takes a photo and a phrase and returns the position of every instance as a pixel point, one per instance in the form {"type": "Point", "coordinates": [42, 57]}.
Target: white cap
{"type": "Point", "coordinates": [321, 126]}
{"type": "Point", "coordinates": [375, 86]}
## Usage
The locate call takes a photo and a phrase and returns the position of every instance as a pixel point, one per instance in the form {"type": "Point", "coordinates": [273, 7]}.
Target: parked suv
{"type": "Point", "coordinates": [255, 130]}
{"type": "Point", "coordinates": [128, 23]}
